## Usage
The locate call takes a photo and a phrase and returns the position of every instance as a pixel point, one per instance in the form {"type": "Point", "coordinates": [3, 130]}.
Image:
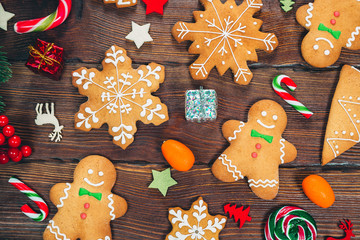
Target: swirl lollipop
{"type": "Point", "coordinates": [290, 223]}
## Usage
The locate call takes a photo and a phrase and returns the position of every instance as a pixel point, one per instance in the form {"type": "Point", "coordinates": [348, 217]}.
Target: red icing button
{"type": "Point", "coordinates": [86, 205]}
{"type": "Point", "coordinates": [336, 14]}
{"type": "Point", "coordinates": [333, 21]}
{"type": "Point", "coordinates": [83, 215]}
{"type": "Point", "coordinates": [258, 146]}
{"type": "Point", "coordinates": [254, 155]}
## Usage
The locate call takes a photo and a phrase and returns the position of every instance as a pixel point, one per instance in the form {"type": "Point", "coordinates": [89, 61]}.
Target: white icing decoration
{"type": "Point", "coordinates": [249, 52]}
{"type": "Point", "coordinates": [197, 46]}
{"type": "Point", "coordinates": [106, 238]}
{"type": "Point", "coordinates": [309, 16]}
{"type": "Point", "coordinates": [326, 40]}
{"type": "Point", "coordinates": [122, 3]}
{"type": "Point", "coordinates": [275, 117]}
{"type": "Point", "coordinates": [255, 23]}
{"type": "Point", "coordinates": [223, 62]}
{"type": "Point", "coordinates": [231, 7]}
{"type": "Point", "coordinates": [93, 184]}
{"type": "Point", "coordinates": [121, 94]}
{"type": "Point", "coordinates": [263, 183]}
{"type": "Point", "coordinates": [316, 47]}
{"type": "Point", "coordinates": [349, 110]}
{"type": "Point", "coordinates": [139, 34]}
{"type": "Point", "coordinates": [358, 98]}
{"type": "Point", "coordinates": [350, 97]}
{"type": "Point", "coordinates": [263, 113]}
{"type": "Point", "coordinates": [90, 171]}
{"type": "Point", "coordinates": [354, 115]}
{"type": "Point", "coordinates": [265, 126]}
{"type": "Point", "coordinates": [65, 197]}
{"type": "Point", "coordinates": [56, 231]}
{"type": "Point", "coordinates": [224, 34]}
{"type": "Point", "coordinates": [282, 142]}
{"type": "Point", "coordinates": [336, 146]}
{"type": "Point", "coordinates": [351, 134]}
{"type": "Point", "coordinates": [49, 118]}
{"type": "Point", "coordinates": [196, 225]}
{"type": "Point", "coordinates": [343, 132]}
{"type": "Point", "coordinates": [327, 52]}
{"type": "Point", "coordinates": [236, 131]}
{"type": "Point", "coordinates": [352, 38]}
{"type": "Point", "coordinates": [230, 167]}
{"type": "Point", "coordinates": [201, 15]}
{"type": "Point", "coordinates": [110, 205]}
{"type": "Point", "coordinates": [336, 132]}
{"type": "Point", "coordinates": [342, 104]}
{"type": "Point", "coordinates": [101, 173]}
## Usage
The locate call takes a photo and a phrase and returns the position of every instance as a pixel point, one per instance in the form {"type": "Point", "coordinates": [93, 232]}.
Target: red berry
{"type": "Point", "coordinates": [26, 151]}
{"type": "Point", "coordinates": [18, 157]}
{"type": "Point", "coordinates": [13, 153]}
{"type": "Point", "coordinates": [14, 141]}
{"type": "Point", "coordinates": [2, 139]}
{"type": "Point", "coordinates": [8, 130]}
{"type": "Point", "coordinates": [4, 158]}
{"type": "Point", "coordinates": [3, 120]}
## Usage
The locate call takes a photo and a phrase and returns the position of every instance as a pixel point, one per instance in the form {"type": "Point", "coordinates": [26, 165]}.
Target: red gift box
{"type": "Point", "coordinates": [46, 58]}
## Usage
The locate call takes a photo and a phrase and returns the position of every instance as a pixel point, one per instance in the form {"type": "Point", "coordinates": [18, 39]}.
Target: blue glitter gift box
{"type": "Point", "coordinates": [200, 105]}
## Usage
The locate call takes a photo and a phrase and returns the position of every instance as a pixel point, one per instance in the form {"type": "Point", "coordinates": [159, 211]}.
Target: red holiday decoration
{"type": "Point", "coordinates": [347, 227]}
{"type": "Point", "coordinates": [238, 212]}
{"type": "Point", "coordinates": [11, 151]}
{"type": "Point", "coordinates": [155, 6]}
{"type": "Point", "coordinates": [46, 58]}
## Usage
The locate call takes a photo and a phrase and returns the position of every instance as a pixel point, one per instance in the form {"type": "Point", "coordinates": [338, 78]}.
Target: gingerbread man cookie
{"type": "Point", "coordinates": [332, 25]}
{"type": "Point", "coordinates": [256, 149]}
{"type": "Point", "coordinates": [86, 206]}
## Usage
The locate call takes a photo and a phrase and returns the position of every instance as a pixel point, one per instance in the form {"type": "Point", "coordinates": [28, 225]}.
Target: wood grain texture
{"type": "Point", "coordinates": [90, 30]}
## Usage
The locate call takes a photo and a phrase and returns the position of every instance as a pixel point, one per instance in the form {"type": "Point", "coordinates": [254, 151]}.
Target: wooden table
{"type": "Point", "coordinates": [89, 31]}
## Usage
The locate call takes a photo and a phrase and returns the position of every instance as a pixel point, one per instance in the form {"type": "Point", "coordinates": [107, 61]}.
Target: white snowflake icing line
{"type": "Point", "coordinates": [250, 4]}
{"type": "Point", "coordinates": [242, 124]}
{"type": "Point", "coordinates": [229, 165]}
{"type": "Point", "coordinates": [52, 226]}
{"type": "Point", "coordinates": [345, 139]}
{"type": "Point", "coordinates": [263, 183]}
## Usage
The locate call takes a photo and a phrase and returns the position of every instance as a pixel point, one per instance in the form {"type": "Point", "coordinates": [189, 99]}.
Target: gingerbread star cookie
{"type": "Point", "coordinates": [86, 206]}
{"type": "Point", "coordinates": [342, 130]}
{"type": "Point", "coordinates": [196, 223]}
{"type": "Point", "coordinates": [122, 3]}
{"type": "Point", "coordinates": [225, 35]}
{"type": "Point", "coordinates": [119, 96]}
{"type": "Point", "coordinates": [332, 25]}
{"type": "Point", "coordinates": [256, 149]}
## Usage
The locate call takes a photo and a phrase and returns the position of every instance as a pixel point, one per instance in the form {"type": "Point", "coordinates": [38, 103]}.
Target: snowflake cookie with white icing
{"type": "Point", "coordinates": [86, 206]}
{"type": "Point", "coordinates": [342, 130]}
{"type": "Point", "coordinates": [122, 3]}
{"type": "Point", "coordinates": [196, 223]}
{"type": "Point", "coordinates": [225, 35]}
{"type": "Point", "coordinates": [119, 96]}
{"type": "Point", "coordinates": [332, 25]}
{"type": "Point", "coordinates": [256, 149]}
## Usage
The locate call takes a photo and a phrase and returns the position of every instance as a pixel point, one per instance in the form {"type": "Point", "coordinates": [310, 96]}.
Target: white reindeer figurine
{"type": "Point", "coordinates": [49, 118]}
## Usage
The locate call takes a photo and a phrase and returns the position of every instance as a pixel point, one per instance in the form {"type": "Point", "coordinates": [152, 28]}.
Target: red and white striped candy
{"type": "Point", "coordinates": [276, 84]}
{"type": "Point", "coordinates": [44, 210]}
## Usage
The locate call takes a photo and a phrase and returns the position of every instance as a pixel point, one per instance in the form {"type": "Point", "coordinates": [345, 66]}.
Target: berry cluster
{"type": "Point", "coordinates": [13, 141]}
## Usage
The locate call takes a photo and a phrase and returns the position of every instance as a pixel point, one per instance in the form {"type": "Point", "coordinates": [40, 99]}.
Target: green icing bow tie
{"type": "Point", "coordinates": [83, 191]}
{"type": "Point", "coordinates": [336, 34]}
{"type": "Point", "coordinates": [267, 138]}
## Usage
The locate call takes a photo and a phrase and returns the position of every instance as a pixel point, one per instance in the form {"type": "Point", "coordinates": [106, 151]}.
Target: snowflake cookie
{"type": "Point", "coordinates": [119, 96]}
{"type": "Point", "coordinates": [225, 35]}
{"type": "Point", "coordinates": [195, 223]}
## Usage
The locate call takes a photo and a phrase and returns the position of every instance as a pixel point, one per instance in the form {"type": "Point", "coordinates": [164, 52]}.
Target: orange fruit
{"type": "Point", "coordinates": [318, 190]}
{"type": "Point", "coordinates": [179, 156]}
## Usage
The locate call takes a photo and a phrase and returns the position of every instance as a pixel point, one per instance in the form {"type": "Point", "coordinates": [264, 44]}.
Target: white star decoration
{"type": "Point", "coordinates": [4, 17]}
{"type": "Point", "coordinates": [139, 34]}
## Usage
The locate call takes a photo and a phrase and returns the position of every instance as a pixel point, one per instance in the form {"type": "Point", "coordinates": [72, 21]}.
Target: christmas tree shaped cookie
{"type": "Point", "coordinates": [342, 131]}
{"type": "Point", "coordinates": [225, 35]}
{"type": "Point", "coordinates": [119, 96]}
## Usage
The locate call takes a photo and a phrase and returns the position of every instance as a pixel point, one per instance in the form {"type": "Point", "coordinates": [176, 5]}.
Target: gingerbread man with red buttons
{"type": "Point", "coordinates": [87, 205]}
{"type": "Point", "coordinates": [256, 149]}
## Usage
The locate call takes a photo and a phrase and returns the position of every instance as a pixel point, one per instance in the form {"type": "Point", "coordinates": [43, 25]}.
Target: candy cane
{"type": "Point", "coordinates": [290, 223]}
{"type": "Point", "coordinates": [45, 23]}
{"type": "Point", "coordinates": [34, 197]}
{"type": "Point", "coordinates": [276, 84]}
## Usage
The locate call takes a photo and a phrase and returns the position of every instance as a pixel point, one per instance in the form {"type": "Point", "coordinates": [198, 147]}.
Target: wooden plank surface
{"type": "Point", "coordinates": [90, 30]}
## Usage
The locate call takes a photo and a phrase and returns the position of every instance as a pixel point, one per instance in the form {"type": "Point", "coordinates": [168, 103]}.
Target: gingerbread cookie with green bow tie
{"type": "Point", "coordinates": [86, 206]}
{"type": "Point", "coordinates": [256, 149]}
{"type": "Point", "coordinates": [332, 25]}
